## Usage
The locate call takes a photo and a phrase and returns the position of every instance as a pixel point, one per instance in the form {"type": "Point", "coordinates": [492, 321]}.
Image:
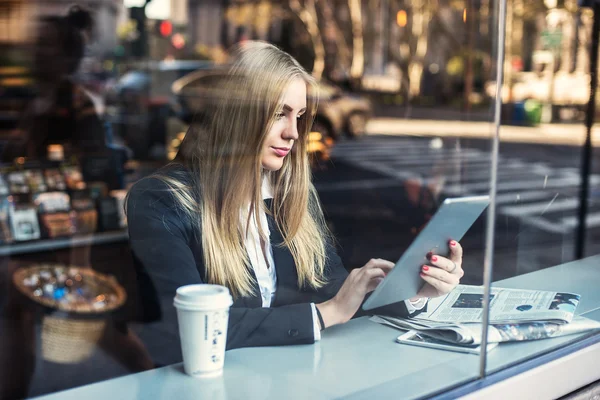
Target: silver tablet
{"type": "Point", "coordinates": [451, 221]}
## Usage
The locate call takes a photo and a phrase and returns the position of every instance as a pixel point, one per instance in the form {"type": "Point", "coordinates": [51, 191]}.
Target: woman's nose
{"type": "Point", "coordinates": [292, 131]}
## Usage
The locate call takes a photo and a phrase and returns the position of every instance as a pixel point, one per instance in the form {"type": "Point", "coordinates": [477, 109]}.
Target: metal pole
{"type": "Point", "coordinates": [491, 215]}
{"type": "Point", "coordinates": [587, 147]}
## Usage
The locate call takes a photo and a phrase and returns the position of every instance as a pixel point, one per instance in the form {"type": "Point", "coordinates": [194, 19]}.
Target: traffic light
{"type": "Point", "coordinates": [178, 41]}
{"type": "Point", "coordinates": [165, 28]}
{"type": "Point", "coordinates": [401, 18]}
{"type": "Point", "coordinates": [139, 47]}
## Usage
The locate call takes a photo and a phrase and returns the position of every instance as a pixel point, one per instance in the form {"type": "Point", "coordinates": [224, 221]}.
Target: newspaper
{"type": "Point", "coordinates": [465, 304]}
{"type": "Point", "coordinates": [515, 315]}
{"type": "Point", "coordinates": [469, 334]}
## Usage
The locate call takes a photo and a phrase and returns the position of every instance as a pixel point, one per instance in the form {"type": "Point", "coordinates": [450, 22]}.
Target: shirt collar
{"type": "Point", "coordinates": [266, 190]}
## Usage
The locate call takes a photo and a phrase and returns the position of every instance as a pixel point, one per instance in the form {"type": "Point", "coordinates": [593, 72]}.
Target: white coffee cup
{"type": "Point", "coordinates": [203, 314]}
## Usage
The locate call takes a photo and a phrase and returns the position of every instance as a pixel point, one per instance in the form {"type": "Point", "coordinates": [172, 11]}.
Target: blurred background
{"type": "Point", "coordinates": [95, 94]}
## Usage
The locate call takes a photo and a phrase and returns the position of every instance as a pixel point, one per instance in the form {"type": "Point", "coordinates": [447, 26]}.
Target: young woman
{"type": "Point", "coordinates": [237, 208]}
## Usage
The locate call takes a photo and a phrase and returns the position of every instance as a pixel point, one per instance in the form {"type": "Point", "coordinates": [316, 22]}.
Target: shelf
{"type": "Point", "coordinates": [63, 243]}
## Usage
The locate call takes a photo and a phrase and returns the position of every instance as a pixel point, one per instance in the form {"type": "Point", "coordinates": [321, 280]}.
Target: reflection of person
{"type": "Point", "coordinates": [62, 112]}
{"type": "Point", "coordinates": [237, 208]}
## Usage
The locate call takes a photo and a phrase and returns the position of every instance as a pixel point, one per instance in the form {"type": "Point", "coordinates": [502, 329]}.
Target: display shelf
{"type": "Point", "coordinates": [37, 246]}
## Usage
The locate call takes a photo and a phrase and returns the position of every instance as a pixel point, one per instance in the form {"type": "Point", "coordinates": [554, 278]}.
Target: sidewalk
{"type": "Point", "coordinates": [559, 134]}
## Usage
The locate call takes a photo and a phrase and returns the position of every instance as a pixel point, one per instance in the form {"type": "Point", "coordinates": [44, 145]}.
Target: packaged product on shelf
{"type": "Point", "coordinates": [119, 196]}
{"type": "Point", "coordinates": [85, 221]}
{"type": "Point", "coordinates": [52, 202]}
{"type": "Point", "coordinates": [108, 215]}
{"type": "Point", "coordinates": [24, 223]}
{"type": "Point", "coordinates": [97, 189]}
{"type": "Point", "coordinates": [5, 233]}
{"type": "Point", "coordinates": [84, 214]}
{"type": "Point", "coordinates": [35, 181]}
{"type": "Point", "coordinates": [3, 186]}
{"type": "Point", "coordinates": [56, 152]}
{"type": "Point", "coordinates": [55, 179]}
{"type": "Point", "coordinates": [57, 224]}
{"type": "Point", "coordinates": [73, 177]}
{"type": "Point", "coordinates": [54, 212]}
{"type": "Point", "coordinates": [17, 182]}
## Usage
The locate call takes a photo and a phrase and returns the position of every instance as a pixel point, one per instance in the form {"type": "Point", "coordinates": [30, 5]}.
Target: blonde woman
{"type": "Point", "coordinates": [237, 208]}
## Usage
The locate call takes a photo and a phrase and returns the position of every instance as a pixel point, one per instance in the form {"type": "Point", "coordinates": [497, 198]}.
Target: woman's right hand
{"type": "Point", "coordinates": [359, 282]}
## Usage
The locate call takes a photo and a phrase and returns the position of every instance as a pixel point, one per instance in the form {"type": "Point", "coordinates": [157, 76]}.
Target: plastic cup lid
{"type": "Point", "coordinates": [202, 296]}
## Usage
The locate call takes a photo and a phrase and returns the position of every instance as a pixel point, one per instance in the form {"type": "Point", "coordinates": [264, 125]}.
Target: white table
{"type": "Point", "coordinates": [356, 360]}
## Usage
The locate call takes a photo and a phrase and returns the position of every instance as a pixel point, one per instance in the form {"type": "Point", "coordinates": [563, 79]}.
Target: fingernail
{"type": "Point", "coordinates": [452, 243]}
{"type": "Point", "coordinates": [433, 258]}
{"type": "Point", "coordinates": [425, 268]}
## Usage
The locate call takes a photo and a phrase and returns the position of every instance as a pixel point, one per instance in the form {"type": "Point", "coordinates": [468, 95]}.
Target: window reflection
{"type": "Point", "coordinates": [96, 96]}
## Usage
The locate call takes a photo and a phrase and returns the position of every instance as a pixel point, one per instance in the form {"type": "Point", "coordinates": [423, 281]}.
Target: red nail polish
{"type": "Point", "coordinates": [425, 268]}
{"type": "Point", "coordinates": [453, 243]}
{"type": "Point", "coordinates": [434, 258]}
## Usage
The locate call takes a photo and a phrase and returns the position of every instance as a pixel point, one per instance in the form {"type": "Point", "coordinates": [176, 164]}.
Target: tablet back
{"type": "Point", "coordinates": [452, 220]}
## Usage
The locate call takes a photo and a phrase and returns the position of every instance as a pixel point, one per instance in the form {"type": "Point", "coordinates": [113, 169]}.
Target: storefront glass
{"type": "Point", "coordinates": [539, 214]}
{"type": "Point", "coordinates": [95, 96]}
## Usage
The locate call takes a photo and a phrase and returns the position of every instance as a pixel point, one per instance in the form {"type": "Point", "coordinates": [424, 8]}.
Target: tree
{"type": "Point", "coordinates": [308, 15]}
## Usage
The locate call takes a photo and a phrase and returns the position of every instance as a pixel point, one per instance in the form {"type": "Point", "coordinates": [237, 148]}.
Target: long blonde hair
{"type": "Point", "coordinates": [223, 153]}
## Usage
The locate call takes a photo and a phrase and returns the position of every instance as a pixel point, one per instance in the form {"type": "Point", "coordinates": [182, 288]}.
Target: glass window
{"type": "Point", "coordinates": [539, 247]}
{"type": "Point", "coordinates": [135, 160]}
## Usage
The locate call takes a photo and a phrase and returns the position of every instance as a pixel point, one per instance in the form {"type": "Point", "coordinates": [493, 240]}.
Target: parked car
{"type": "Point", "coordinates": [140, 103]}
{"type": "Point", "coordinates": [338, 113]}
{"type": "Point", "coordinates": [341, 113]}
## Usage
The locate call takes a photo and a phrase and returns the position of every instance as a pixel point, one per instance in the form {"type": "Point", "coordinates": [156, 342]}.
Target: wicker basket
{"type": "Point", "coordinates": [70, 334]}
{"type": "Point", "coordinates": [69, 341]}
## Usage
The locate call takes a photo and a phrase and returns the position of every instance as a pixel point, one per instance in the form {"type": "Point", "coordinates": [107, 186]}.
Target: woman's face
{"type": "Point", "coordinates": [284, 132]}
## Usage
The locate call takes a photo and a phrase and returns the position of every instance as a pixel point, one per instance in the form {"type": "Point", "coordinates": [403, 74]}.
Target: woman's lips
{"type": "Point", "coordinates": [281, 151]}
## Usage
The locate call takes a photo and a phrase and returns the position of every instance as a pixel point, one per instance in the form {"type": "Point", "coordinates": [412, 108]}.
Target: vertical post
{"type": "Point", "coordinates": [470, 30]}
{"type": "Point", "coordinates": [587, 147]}
{"type": "Point", "coordinates": [491, 214]}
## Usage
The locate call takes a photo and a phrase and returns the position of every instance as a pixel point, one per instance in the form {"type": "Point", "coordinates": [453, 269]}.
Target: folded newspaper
{"type": "Point", "coordinates": [515, 315]}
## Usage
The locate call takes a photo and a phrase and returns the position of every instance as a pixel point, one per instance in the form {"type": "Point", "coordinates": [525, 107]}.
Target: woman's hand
{"type": "Point", "coordinates": [443, 274]}
{"type": "Point", "coordinates": [359, 282]}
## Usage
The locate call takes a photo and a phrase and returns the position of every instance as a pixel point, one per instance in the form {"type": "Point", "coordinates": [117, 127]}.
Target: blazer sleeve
{"type": "Point", "coordinates": [336, 274]}
{"type": "Point", "coordinates": [160, 241]}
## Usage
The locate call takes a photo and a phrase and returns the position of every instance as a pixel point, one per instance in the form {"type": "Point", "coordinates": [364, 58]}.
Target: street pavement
{"type": "Point", "coordinates": [557, 134]}
{"type": "Point", "coordinates": [371, 189]}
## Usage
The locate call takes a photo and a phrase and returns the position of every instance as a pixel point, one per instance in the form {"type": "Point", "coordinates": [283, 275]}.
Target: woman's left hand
{"type": "Point", "coordinates": [442, 274]}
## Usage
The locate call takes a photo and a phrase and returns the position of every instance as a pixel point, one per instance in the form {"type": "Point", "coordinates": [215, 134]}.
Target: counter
{"type": "Point", "coordinates": [356, 360]}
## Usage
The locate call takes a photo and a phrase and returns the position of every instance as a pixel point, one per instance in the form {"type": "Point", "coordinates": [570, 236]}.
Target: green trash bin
{"type": "Point", "coordinates": [533, 112]}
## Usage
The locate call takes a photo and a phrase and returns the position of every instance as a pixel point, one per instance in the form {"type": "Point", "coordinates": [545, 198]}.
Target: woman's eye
{"type": "Point", "coordinates": [279, 115]}
{"type": "Point", "coordinates": [300, 116]}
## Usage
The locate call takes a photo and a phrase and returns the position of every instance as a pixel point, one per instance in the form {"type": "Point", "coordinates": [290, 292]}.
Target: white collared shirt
{"type": "Point", "coordinates": [264, 269]}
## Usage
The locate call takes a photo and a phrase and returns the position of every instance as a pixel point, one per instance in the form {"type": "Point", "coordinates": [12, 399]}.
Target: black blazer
{"type": "Point", "coordinates": [167, 249]}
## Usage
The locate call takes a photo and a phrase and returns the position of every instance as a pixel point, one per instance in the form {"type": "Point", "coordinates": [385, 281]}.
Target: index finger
{"type": "Point", "coordinates": [456, 251]}
{"type": "Point", "coordinates": [385, 265]}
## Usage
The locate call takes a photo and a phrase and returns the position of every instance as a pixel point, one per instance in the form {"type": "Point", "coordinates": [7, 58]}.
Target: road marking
{"type": "Point", "coordinates": [525, 190]}
{"type": "Point", "coordinates": [358, 185]}
{"type": "Point", "coordinates": [513, 197]}
{"type": "Point", "coordinates": [592, 221]}
{"type": "Point", "coordinates": [540, 207]}
{"type": "Point", "coordinates": [518, 184]}
{"type": "Point", "coordinates": [545, 225]}
{"type": "Point", "coordinates": [359, 155]}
